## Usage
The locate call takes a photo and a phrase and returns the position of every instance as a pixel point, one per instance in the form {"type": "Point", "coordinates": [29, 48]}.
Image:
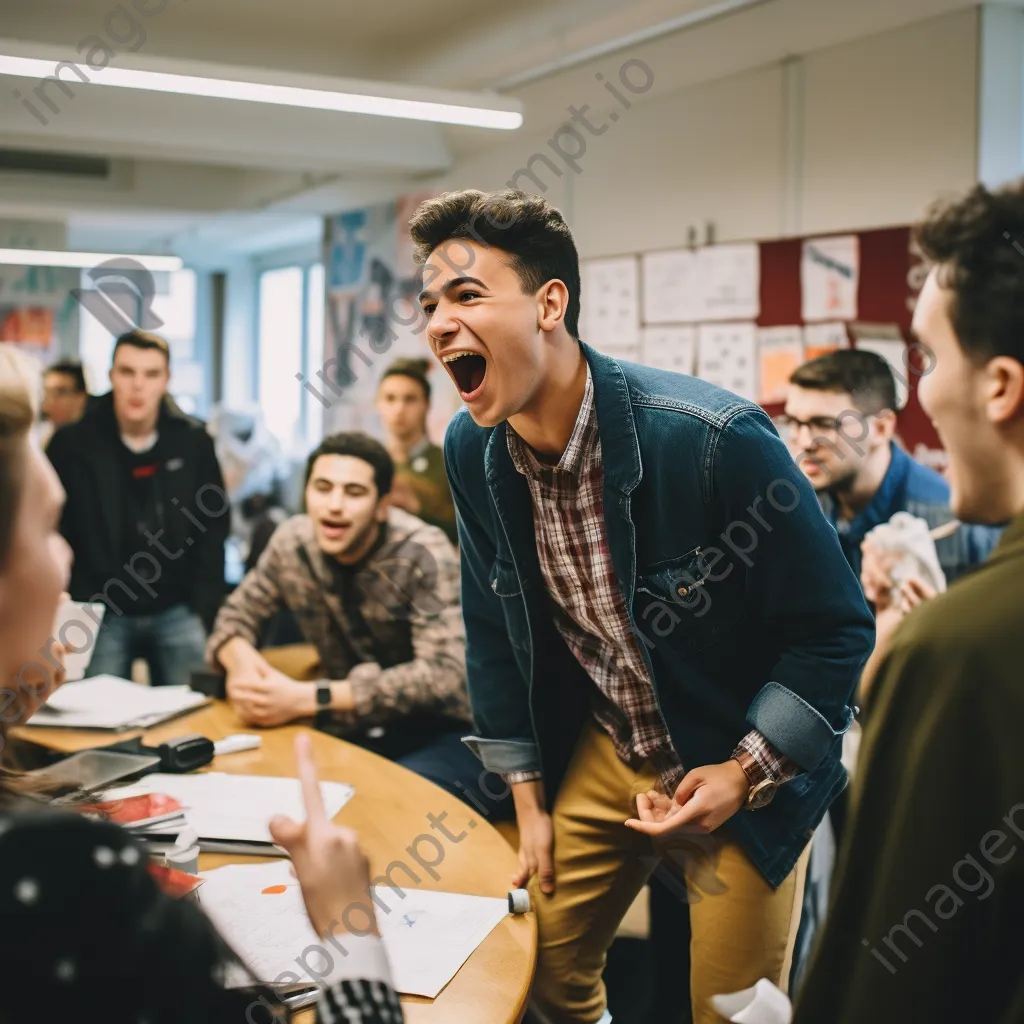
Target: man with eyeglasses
{"type": "Point", "coordinates": [841, 417]}
{"type": "Point", "coordinates": [841, 420]}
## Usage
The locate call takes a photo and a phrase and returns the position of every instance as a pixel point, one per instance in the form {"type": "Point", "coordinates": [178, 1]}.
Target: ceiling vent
{"type": "Point", "coordinates": [68, 165]}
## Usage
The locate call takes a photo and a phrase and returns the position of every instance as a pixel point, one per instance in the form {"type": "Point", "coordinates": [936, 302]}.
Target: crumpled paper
{"type": "Point", "coordinates": [910, 538]}
{"type": "Point", "coordinates": [762, 1004]}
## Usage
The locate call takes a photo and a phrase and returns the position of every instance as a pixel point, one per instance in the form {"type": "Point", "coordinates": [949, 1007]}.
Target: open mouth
{"type": "Point", "coordinates": [333, 528]}
{"type": "Point", "coordinates": [468, 370]}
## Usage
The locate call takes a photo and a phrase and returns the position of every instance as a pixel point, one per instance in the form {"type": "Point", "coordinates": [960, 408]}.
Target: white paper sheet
{"type": "Point", "coordinates": [610, 306]}
{"type": "Point", "coordinates": [729, 282]}
{"type": "Point", "coordinates": [822, 338]}
{"type": "Point", "coordinates": [781, 351]}
{"type": "Point", "coordinates": [670, 348]}
{"type": "Point", "coordinates": [236, 807]}
{"type": "Point", "coordinates": [727, 356]}
{"type": "Point", "coordinates": [77, 626]}
{"type": "Point", "coordinates": [428, 935]}
{"type": "Point", "coordinates": [671, 288]}
{"type": "Point", "coordinates": [830, 277]}
{"type": "Point", "coordinates": [106, 702]}
{"type": "Point", "coordinates": [762, 1004]}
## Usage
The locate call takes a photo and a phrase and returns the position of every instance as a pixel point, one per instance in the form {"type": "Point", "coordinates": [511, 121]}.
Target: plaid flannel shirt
{"type": "Point", "coordinates": [590, 613]}
{"type": "Point", "coordinates": [401, 644]}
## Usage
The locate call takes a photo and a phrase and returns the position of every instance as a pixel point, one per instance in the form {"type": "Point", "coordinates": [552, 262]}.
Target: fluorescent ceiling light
{"type": "Point", "coordinates": [84, 260]}
{"type": "Point", "coordinates": [282, 95]}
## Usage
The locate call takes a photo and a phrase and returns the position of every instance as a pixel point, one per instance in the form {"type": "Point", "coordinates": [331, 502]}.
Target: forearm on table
{"type": "Point", "coordinates": [230, 652]}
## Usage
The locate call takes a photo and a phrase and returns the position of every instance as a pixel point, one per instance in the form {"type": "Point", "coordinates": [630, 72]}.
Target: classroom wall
{"type": "Point", "coordinates": [860, 135]}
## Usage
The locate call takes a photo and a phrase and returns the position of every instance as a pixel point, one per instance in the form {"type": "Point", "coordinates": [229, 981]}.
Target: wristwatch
{"type": "Point", "coordinates": [323, 699]}
{"type": "Point", "coordinates": [762, 789]}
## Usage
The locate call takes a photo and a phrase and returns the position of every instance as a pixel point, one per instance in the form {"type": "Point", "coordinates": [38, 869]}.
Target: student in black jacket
{"type": "Point", "coordinates": [85, 930]}
{"type": "Point", "coordinates": [146, 517]}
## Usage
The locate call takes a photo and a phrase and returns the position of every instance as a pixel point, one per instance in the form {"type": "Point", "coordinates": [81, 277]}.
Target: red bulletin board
{"type": "Point", "coordinates": [890, 278]}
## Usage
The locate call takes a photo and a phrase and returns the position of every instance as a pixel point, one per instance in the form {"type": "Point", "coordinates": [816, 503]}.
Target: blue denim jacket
{"type": "Point", "coordinates": [910, 487]}
{"type": "Point", "coordinates": [749, 615]}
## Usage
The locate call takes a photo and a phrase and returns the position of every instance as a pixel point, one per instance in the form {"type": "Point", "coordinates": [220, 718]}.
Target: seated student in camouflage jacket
{"type": "Point", "coordinates": [376, 591]}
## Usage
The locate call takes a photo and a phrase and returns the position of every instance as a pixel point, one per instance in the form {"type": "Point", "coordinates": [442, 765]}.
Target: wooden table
{"type": "Point", "coordinates": [389, 810]}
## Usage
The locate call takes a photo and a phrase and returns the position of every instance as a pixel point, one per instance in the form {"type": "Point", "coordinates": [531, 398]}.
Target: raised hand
{"type": "Point", "coordinates": [329, 863]}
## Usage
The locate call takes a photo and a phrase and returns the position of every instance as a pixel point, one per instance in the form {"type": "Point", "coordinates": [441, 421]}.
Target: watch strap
{"type": "Point", "coordinates": [762, 787]}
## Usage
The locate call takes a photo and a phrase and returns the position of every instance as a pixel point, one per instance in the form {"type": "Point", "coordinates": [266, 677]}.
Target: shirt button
{"type": "Point", "coordinates": [683, 591]}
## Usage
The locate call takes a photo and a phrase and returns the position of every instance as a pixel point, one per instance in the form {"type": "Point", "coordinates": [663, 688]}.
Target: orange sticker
{"type": "Point", "coordinates": [274, 890]}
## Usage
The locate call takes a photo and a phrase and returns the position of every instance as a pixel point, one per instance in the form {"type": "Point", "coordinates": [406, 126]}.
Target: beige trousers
{"type": "Point", "coordinates": [741, 928]}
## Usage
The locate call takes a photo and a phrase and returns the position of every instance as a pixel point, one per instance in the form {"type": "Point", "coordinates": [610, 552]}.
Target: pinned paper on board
{"type": "Point", "coordinates": [671, 288]}
{"type": "Point", "coordinates": [781, 351]}
{"type": "Point", "coordinates": [670, 348]}
{"type": "Point", "coordinates": [820, 339]}
{"type": "Point", "coordinates": [830, 277]}
{"type": "Point", "coordinates": [727, 356]}
{"type": "Point", "coordinates": [729, 278]}
{"type": "Point", "coordinates": [610, 306]}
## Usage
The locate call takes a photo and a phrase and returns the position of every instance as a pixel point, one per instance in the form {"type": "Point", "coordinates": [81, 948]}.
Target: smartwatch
{"type": "Point", "coordinates": [323, 700]}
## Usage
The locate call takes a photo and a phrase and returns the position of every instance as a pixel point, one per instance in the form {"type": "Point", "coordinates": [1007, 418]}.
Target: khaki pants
{"type": "Point", "coordinates": [741, 929]}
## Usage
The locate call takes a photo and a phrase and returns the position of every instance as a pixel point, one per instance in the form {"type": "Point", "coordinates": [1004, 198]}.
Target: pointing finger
{"type": "Point", "coordinates": [316, 815]}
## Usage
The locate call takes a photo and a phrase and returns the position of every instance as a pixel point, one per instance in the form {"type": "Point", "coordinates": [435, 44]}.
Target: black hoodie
{"type": "Point", "coordinates": [147, 530]}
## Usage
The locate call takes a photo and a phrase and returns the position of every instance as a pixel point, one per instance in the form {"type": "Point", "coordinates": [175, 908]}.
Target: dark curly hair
{"type": "Point", "coordinates": [977, 243]}
{"type": "Point", "coordinates": [527, 227]}
{"type": "Point", "coordinates": [361, 446]}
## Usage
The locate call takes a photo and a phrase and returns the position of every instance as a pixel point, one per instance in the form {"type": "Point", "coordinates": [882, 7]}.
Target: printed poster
{"type": "Point", "coordinates": [820, 339]}
{"type": "Point", "coordinates": [610, 306]}
{"type": "Point", "coordinates": [781, 351]}
{"type": "Point", "coordinates": [671, 289]}
{"type": "Point", "coordinates": [729, 279]}
{"type": "Point", "coordinates": [670, 348]}
{"type": "Point", "coordinates": [727, 356]}
{"type": "Point", "coordinates": [830, 277]}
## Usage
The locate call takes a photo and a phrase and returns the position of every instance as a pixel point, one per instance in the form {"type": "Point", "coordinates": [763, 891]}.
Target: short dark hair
{"type": "Point", "coordinates": [360, 446]}
{"type": "Point", "coordinates": [414, 369]}
{"type": "Point", "coordinates": [977, 242]}
{"type": "Point", "coordinates": [527, 227]}
{"type": "Point", "coordinates": [143, 340]}
{"type": "Point", "coordinates": [69, 368]}
{"type": "Point", "coordinates": [863, 375]}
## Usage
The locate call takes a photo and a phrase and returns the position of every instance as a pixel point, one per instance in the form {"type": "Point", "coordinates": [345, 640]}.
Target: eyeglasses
{"type": "Point", "coordinates": [817, 425]}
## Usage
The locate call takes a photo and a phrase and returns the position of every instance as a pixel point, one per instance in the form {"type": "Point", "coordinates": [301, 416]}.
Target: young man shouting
{"type": "Point", "coordinates": [662, 631]}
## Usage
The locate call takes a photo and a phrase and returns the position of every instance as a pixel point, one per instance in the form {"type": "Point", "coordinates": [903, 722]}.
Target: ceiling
{"type": "Point", "coordinates": [215, 179]}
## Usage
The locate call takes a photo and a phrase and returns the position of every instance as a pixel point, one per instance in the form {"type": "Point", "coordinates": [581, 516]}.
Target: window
{"type": "Point", "coordinates": [280, 353]}
{"type": "Point", "coordinates": [291, 342]}
{"type": "Point", "coordinates": [315, 299]}
{"type": "Point", "coordinates": [112, 305]}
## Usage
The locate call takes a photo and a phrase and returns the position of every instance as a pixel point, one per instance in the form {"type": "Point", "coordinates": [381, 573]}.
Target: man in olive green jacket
{"type": "Point", "coordinates": [929, 894]}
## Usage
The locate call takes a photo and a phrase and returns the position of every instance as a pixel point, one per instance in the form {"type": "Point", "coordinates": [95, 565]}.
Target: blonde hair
{"type": "Point", "coordinates": [19, 389]}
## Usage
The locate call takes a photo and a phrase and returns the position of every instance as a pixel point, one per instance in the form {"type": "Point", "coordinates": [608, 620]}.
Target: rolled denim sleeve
{"type": "Point", "coordinates": [498, 693]}
{"type": "Point", "coordinates": [798, 586]}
